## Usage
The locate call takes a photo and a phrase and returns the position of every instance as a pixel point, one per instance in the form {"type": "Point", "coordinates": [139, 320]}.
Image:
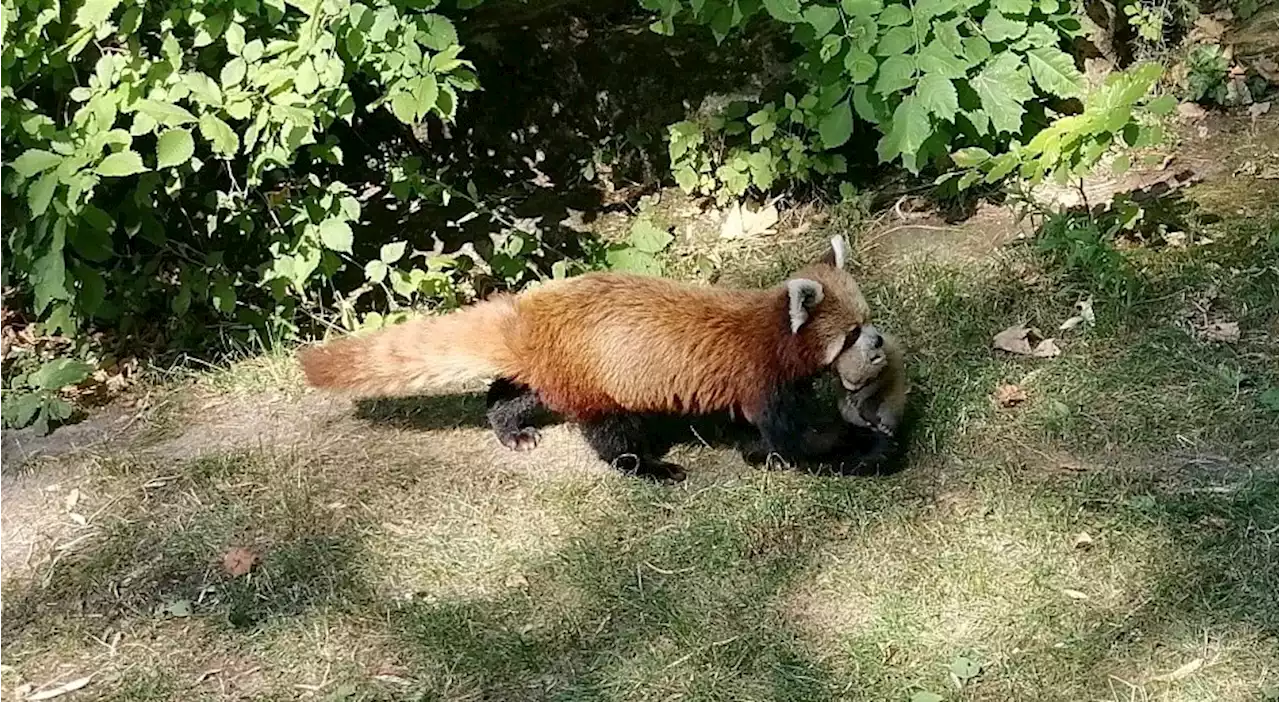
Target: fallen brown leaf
{"type": "Point", "coordinates": [238, 561]}
{"type": "Point", "coordinates": [1190, 110]}
{"type": "Point", "coordinates": [1014, 340]}
{"type": "Point", "coordinates": [1009, 395]}
{"type": "Point", "coordinates": [1075, 594]}
{"type": "Point", "coordinates": [1226, 332]}
{"type": "Point", "coordinates": [1082, 540]}
{"type": "Point", "coordinates": [1046, 349]}
{"type": "Point", "coordinates": [740, 223]}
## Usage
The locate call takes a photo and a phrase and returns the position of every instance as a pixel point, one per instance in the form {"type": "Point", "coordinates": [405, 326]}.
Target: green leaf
{"type": "Point", "coordinates": [33, 161]}
{"type": "Point", "coordinates": [91, 243]}
{"type": "Point", "coordinates": [425, 93]}
{"type": "Point", "coordinates": [936, 58]}
{"type": "Point", "coordinates": [862, 8]}
{"type": "Point", "coordinates": [860, 66]}
{"type": "Point", "coordinates": [59, 373]}
{"type": "Point", "coordinates": [1013, 7]}
{"type": "Point", "coordinates": [165, 113]}
{"type": "Point", "coordinates": [1120, 164]}
{"type": "Point", "coordinates": [1003, 88]}
{"type": "Point", "coordinates": [224, 297]}
{"type": "Point", "coordinates": [233, 72]}
{"type": "Point", "coordinates": [896, 73]}
{"type": "Point", "coordinates": [895, 15]}
{"type": "Point", "coordinates": [836, 126]}
{"type": "Point", "coordinates": [219, 135]}
{"type": "Point", "coordinates": [40, 194]}
{"type": "Point", "coordinates": [996, 27]}
{"type": "Point", "coordinates": [174, 147]}
{"type": "Point", "coordinates": [896, 41]}
{"type": "Point", "coordinates": [1270, 399]}
{"type": "Point", "coordinates": [203, 89]}
{"type": "Point", "coordinates": [1162, 105]}
{"type": "Point", "coordinates": [305, 79]}
{"type": "Point", "coordinates": [234, 37]}
{"type": "Point", "coordinates": [970, 157]}
{"type": "Point", "coordinates": [784, 10]}
{"type": "Point", "coordinates": [404, 107]}
{"type": "Point", "coordinates": [23, 408]}
{"type": "Point", "coordinates": [440, 33]}
{"type": "Point", "coordinates": [1055, 72]}
{"type": "Point", "coordinates": [965, 669]}
{"type": "Point", "coordinates": [908, 132]}
{"type": "Point", "coordinates": [938, 95]}
{"type": "Point", "coordinates": [648, 237]}
{"type": "Point", "coordinates": [121, 163]}
{"type": "Point", "coordinates": [631, 260]}
{"type": "Point", "coordinates": [336, 235]}
{"type": "Point", "coordinates": [392, 252]}
{"type": "Point", "coordinates": [821, 18]}
{"type": "Point", "coordinates": [375, 271]}
{"type": "Point", "coordinates": [93, 13]}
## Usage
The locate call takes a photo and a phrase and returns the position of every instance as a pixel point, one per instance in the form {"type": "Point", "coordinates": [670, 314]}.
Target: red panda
{"type": "Point", "coordinates": [603, 348]}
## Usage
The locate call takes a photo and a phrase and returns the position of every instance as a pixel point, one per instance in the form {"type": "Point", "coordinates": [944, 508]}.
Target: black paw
{"type": "Point", "coordinates": [523, 440]}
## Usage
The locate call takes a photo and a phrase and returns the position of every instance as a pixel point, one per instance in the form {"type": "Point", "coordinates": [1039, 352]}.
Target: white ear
{"type": "Point", "coordinates": [802, 294]}
{"type": "Point", "coordinates": [840, 248]}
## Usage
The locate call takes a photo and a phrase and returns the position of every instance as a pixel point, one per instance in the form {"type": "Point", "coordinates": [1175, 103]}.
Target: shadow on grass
{"type": "Point", "coordinates": [161, 554]}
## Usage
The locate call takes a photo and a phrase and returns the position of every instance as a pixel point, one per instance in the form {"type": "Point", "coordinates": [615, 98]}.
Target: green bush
{"type": "Point", "coordinates": [204, 168]}
{"type": "Point", "coordinates": [930, 77]}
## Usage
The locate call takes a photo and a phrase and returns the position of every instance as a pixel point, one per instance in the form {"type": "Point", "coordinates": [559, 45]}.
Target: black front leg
{"type": "Point", "coordinates": [511, 409]}
{"type": "Point", "coordinates": [785, 424]}
{"type": "Point", "coordinates": [619, 439]}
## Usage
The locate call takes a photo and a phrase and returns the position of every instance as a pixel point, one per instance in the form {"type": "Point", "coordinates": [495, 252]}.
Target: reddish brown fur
{"type": "Point", "coordinates": [604, 343]}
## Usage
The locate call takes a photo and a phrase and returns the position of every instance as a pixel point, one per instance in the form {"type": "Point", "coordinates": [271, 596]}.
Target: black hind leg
{"type": "Point", "coordinates": [620, 440]}
{"type": "Point", "coordinates": [511, 407]}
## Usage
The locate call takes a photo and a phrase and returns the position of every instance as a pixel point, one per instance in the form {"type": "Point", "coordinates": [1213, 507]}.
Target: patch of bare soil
{"type": "Point", "coordinates": [906, 237]}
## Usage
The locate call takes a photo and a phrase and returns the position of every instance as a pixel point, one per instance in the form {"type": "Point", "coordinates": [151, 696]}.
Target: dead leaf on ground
{"type": "Point", "coordinates": [741, 223]}
{"type": "Point", "coordinates": [1075, 594]}
{"type": "Point", "coordinates": [1181, 672]}
{"type": "Point", "coordinates": [1014, 340]}
{"type": "Point", "coordinates": [1082, 540]}
{"type": "Point", "coordinates": [61, 690]}
{"type": "Point", "coordinates": [1009, 395]}
{"type": "Point", "coordinates": [71, 499]}
{"type": "Point", "coordinates": [1209, 28]}
{"type": "Point", "coordinates": [1190, 110]}
{"type": "Point", "coordinates": [1268, 68]}
{"type": "Point", "coordinates": [1046, 349]}
{"type": "Point", "coordinates": [1225, 332]}
{"type": "Point", "coordinates": [238, 561]}
{"type": "Point", "coordinates": [1259, 109]}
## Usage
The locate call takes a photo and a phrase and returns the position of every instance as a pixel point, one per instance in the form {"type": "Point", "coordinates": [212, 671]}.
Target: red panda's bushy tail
{"type": "Point", "coordinates": [419, 355]}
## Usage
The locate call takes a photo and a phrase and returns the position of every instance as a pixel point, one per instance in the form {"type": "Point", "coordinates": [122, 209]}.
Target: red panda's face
{"type": "Point", "coordinates": [833, 310]}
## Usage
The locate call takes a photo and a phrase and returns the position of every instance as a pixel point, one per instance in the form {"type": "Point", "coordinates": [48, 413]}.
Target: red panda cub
{"type": "Point", "coordinates": [870, 403]}
{"type": "Point", "coordinates": [602, 349]}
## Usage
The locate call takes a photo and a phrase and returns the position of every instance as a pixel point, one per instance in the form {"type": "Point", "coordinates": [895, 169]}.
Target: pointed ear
{"type": "Point", "coordinates": [839, 253]}
{"type": "Point", "coordinates": [802, 295]}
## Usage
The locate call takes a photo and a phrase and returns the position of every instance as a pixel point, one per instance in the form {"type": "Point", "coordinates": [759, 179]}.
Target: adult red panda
{"type": "Point", "coordinates": [603, 348]}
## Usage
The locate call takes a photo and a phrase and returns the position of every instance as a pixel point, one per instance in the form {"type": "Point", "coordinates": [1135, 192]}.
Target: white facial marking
{"type": "Point", "coordinates": [834, 347]}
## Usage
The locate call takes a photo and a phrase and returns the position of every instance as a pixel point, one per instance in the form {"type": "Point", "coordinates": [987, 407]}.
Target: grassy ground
{"type": "Point", "coordinates": [1114, 537]}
